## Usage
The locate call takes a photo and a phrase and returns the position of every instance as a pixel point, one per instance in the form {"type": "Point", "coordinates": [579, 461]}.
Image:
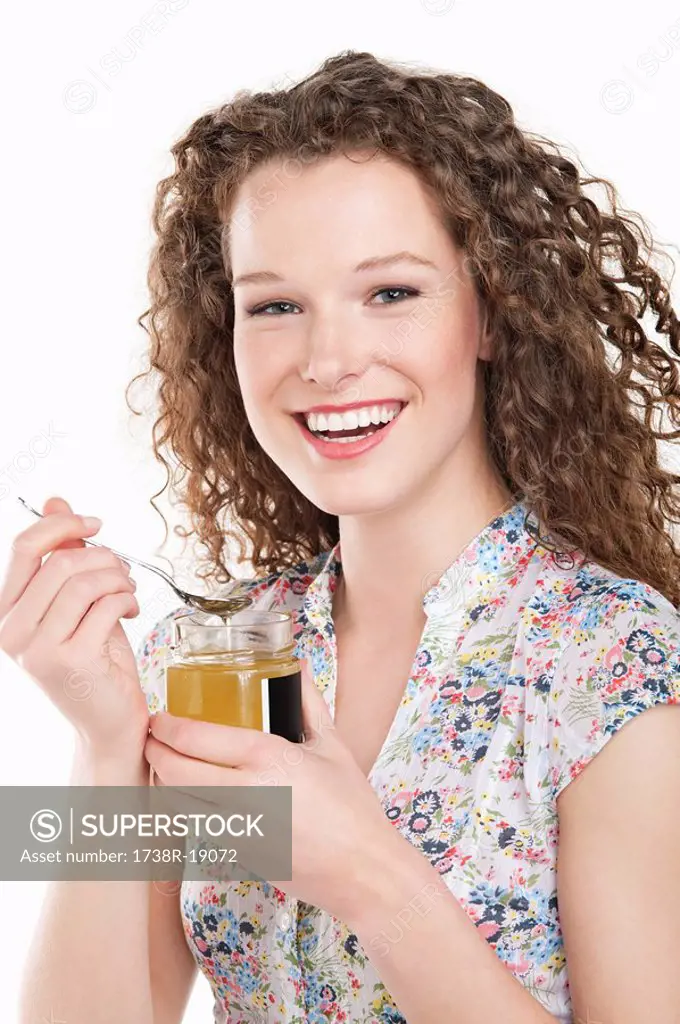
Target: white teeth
{"type": "Point", "coordinates": [353, 418]}
{"type": "Point", "coordinates": [345, 440]}
{"type": "Point", "coordinates": [348, 421]}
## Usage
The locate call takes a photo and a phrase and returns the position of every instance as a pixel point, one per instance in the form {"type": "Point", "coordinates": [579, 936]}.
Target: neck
{"type": "Point", "coordinates": [390, 559]}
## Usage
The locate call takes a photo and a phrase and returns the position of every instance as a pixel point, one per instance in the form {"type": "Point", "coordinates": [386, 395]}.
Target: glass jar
{"type": "Point", "coordinates": [236, 671]}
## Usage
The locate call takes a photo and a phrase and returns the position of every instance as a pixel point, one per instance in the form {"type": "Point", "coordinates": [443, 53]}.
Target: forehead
{"type": "Point", "coordinates": [353, 206]}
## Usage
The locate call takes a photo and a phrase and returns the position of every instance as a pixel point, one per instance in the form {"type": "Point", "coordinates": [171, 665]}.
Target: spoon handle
{"type": "Point", "coordinates": [128, 558]}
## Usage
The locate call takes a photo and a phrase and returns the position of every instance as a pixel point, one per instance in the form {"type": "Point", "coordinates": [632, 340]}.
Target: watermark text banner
{"type": "Point", "coordinates": [101, 833]}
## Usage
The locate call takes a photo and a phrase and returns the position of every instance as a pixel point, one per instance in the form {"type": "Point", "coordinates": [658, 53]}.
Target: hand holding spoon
{"type": "Point", "coordinates": [223, 607]}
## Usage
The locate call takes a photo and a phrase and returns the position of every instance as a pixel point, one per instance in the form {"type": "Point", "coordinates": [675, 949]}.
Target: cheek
{"type": "Point", "coordinates": [445, 372]}
{"type": "Point", "coordinates": [245, 363]}
{"type": "Point", "coordinates": [441, 361]}
{"type": "Point", "coordinates": [256, 384]}
{"type": "Point", "coordinates": [261, 365]}
{"type": "Point", "coordinates": [261, 378]}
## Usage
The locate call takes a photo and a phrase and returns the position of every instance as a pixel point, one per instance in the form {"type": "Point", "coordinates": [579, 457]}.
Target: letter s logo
{"type": "Point", "coordinates": [45, 826]}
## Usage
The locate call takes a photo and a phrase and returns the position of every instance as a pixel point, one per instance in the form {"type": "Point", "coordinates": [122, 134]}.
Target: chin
{"type": "Point", "coordinates": [346, 488]}
{"type": "Point", "coordinates": [342, 500]}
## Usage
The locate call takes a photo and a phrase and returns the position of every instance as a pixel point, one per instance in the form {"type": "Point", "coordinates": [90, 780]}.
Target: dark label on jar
{"type": "Point", "coordinates": [282, 706]}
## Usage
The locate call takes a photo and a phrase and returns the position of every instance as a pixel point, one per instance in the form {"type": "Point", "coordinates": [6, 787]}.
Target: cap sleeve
{"type": "Point", "coordinates": [622, 658]}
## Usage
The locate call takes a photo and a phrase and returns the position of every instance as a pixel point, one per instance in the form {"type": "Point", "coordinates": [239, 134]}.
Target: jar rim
{"type": "Point", "coordinates": [241, 618]}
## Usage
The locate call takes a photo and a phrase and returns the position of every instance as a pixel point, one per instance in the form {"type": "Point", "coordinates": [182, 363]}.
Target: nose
{"type": "Point", "coordinates": [333, 360]}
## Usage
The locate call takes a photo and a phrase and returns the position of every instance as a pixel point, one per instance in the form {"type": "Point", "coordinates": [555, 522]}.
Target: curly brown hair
{"type": "Point", "coordinates": [558, 276]}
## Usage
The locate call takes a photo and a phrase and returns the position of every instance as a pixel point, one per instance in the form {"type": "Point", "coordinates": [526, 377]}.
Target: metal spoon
{"type": "Point", "coordinates": [223, 607]}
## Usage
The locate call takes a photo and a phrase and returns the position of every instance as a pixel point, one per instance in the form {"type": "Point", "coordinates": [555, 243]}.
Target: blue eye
{"type": "Point", "coordinates": [260, 310]}
{"type": "Point", "coordinates": [408, 292]}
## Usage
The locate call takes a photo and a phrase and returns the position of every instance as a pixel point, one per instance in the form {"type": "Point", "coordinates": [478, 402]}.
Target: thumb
{"type": "Point", "coordinates": [56, 505]}
{"type": "Point", "coordinates": [60, 505]}
{"type": "Point", "coordinates": [316, 716]}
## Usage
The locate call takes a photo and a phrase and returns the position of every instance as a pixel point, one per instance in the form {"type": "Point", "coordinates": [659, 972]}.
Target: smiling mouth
{"type": "Point", "coordinates": [351, 434]}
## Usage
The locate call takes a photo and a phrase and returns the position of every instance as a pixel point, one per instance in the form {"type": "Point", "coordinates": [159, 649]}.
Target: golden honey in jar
{"type": "Point", "coordinates": [240, 670]}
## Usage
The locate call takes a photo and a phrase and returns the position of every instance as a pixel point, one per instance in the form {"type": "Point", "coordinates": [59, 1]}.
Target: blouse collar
{"type": "Point", "coordinates": [490, 557]}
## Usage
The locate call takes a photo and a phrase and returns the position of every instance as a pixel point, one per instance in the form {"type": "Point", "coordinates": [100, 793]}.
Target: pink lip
{"type": "Point", "coordinates": [350, 449]}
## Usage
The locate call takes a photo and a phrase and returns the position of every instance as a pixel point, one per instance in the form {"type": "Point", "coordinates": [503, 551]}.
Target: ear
{"type": "Point", "coordinates": [316, 714]}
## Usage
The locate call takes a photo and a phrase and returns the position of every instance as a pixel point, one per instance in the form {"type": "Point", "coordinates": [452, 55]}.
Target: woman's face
{"type": "Point", "coordinates": [406, 336]}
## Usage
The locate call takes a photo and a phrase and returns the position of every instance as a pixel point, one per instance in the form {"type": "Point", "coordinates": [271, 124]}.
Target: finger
{"type": "Point", "coordinates": [74, 599]}
{"type": "Point", "coordinates": [94, 631]}
{"type": "Point", "coordinates": [185, 773]}
{"type": "Point", "coordinates": [176, 794]}
{"type": "Point", "coordinates": [188, 786]}
{"type": "Point", "coordinates": [58, 596]}
{"type": "Point", "coordinates": [316, 715]}
{"type": "Point", "coordinates": [53, 505]}
{"type": "Point", "coordinates": [232, 746]}
{"type": "Point", "coordinates": [30, 547]}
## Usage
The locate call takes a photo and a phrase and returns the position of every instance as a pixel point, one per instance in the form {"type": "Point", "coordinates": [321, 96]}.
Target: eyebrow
{"type": "Point", "coordinates": [368, 264]}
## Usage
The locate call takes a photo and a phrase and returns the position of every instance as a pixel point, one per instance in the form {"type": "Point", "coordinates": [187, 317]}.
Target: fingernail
{"type": "Point", "coordinates": [91, 522]}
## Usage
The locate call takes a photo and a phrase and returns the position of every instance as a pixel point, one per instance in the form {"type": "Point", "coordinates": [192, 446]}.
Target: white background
{"type": "Point", "coordinates": [93, 101]}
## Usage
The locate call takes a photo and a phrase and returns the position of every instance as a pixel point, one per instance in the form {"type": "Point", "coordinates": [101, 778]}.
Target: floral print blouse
{"type": "Point", "coordinates": [525, 669]}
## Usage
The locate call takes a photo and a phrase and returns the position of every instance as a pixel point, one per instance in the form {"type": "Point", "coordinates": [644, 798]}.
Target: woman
{"type": "Point", "coordinates": [485, 591]}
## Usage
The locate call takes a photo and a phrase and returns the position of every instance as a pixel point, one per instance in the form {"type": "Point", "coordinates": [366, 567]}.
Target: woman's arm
{"type": "Point", "coordinates": [619, 875]}
{"type": "Point", "coordinates": [107, 951]}
{"type": "Point", "coordinates": [619, 893]}
{"type": "Point", "coordinates": [172, 967]}
{"type": "Point", "coordinates": [428, 953]}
